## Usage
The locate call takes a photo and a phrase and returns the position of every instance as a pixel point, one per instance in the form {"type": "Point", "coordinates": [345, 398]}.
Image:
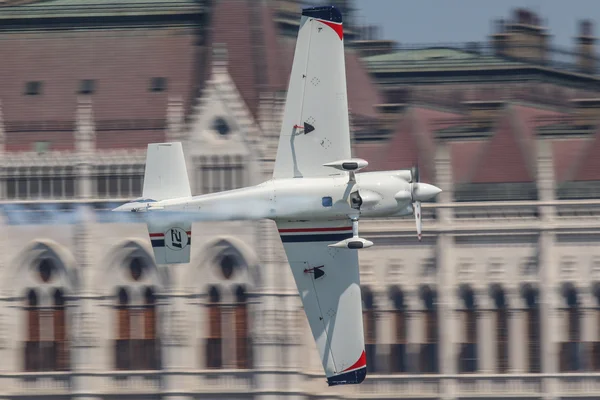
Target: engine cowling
{"type": "Point", "coordinates": [369, 198]}
{"type": "Point", "coordinates": [364, 199]}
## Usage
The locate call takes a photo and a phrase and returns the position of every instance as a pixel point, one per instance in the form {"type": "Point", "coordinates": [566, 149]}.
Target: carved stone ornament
{"type": "Point", "coordinates": [87, 334]}
{"type": "Point", "coordinates": [4, 329]}
{"type": "Point", "coordinates": [176, 332]}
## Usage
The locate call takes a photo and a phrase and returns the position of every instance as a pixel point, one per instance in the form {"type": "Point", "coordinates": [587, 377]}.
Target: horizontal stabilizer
{"type": "Point", "coordinates": [171, 240]}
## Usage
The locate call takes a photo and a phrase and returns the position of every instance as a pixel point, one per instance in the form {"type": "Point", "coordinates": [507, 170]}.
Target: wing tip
{"type": "Point", "coordinates": [348, 378]}
{"type": "Point", "coordinates": [327, 13]}
{"type": "Point", "coordinates": [352, 375]}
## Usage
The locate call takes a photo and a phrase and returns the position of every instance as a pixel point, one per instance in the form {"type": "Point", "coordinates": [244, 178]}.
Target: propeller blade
{"type": "Point", "coordinates": [417, 211]}
{"type": "Point", "coordinates": [414, 174]}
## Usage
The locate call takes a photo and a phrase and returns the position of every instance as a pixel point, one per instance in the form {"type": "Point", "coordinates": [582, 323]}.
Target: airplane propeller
{"type": "Point", "coordinates": [414, 198]}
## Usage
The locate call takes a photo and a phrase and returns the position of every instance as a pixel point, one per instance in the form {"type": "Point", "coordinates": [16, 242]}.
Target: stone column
{"type": "Point", "coordinates": [588, 325]}
{"type": "Point", "coordinates": [2, 151]}
{"type": "Point", "coordinates": [384, 328]}
{"type": "Point", "coordinates": [443, 173]}
{"type": "Point", "coordinates": [11, 312]}
{"type": "Point", "coordinates": [447, 304]}
{"type": "Point", "coordinates": [446, 277]}
{"type": "Point", "coordinates": [267, 337]}
{"type": "Point", "coordinates": [549, 320]}
{"type": "Point", "coordinates": [175, 119]}
{"type": "Point", "coordinates": [486, 337]}
{"type": "Point", "coordinates": [545, 178]}
{"type": "Point", "coordinates": [295, 334]}
{"type": "Point", "coordinates": [87, 325]}
{"type": "Point", "coordinates": [517, 349]}
{"type": "Point", "coordinates": [177, 326]}
{"type": "Point", "coordinates": [415, 334]}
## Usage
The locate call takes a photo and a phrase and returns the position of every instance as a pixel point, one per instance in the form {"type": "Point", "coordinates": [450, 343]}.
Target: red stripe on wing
{"type": "Point", "coordinates": [343, 228]}
{"type": "Point", "coordinates": [362, 362]}
{"type": "Point", "coordinates": [336, 27]}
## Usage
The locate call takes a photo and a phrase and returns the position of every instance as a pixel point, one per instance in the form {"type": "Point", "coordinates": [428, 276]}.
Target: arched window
{"type": "Point", "coordinates": [32, 344]}
{"type": "Point", "coordinates": [60, 332]}
{"type": "Point", "coordinates": [370, 328]}
{"type": "Point", "coordinates": [398, 362]}
{"type": "Point", "coordinates": [123, 345]}
{"type": "Point", "coordinates": [570, 350]}
{"type": "Point", "coordinates": [46, 346]}
{"type": "Point", "coordinates": [596, 343]}
{"type": "Point", "coordinates": [501, 331]}
{"type": "Point", "coordinates": [151, 345]}
{"type": "Point", "coordinates": [214, 340]}
{"type": "Point", "coordinates": [533, 339]}
{"type": "Point", "coordinates": [242, 337]}
{"type": "Point", "coordinates": [428, 360]}
{"type": "Point", "coordinates": [468, 351]}
{"type": "Point", "coordinates": [137, 346]}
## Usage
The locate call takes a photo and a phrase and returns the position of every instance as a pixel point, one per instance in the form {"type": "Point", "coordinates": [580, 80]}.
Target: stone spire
{"type": "Point", "coordinates": [219, 58]}
{"type": "Point", "coordinates": [175, 119]}
{"type": "Point", "coordinates": [85, 133]}
{"type": "Point", "coordinates": [2, 135]}
{"type": "Point", "coordinates": [85, 144]}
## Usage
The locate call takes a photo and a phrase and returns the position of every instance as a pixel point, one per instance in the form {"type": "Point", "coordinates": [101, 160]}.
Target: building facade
{"type": "Point", "coordinates": [500, 299]}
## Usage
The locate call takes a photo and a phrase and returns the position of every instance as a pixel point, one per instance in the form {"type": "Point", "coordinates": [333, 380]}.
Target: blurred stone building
{"type": "Point", "coordinates": [501, 299]}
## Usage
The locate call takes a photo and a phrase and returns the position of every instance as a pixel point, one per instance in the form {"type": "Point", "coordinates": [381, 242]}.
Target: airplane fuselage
{"type": "Point", "coordinates": [371, 194]}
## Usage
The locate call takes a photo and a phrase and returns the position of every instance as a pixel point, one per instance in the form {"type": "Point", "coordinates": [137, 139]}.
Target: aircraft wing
{"type": "Point", "coordinates": [315, 128]}
{"type": "Point", "coordinates": [328, 282]}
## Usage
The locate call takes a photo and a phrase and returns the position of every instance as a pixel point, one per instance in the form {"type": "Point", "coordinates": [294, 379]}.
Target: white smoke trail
{"type": "Point", "coordinates": [229, 210]}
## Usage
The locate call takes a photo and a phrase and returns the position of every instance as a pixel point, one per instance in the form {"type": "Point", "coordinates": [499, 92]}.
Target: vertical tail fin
{"type": "Point", "coordinates": [166, 178]}
{"type": "Point", "coordinates": [166, 174]}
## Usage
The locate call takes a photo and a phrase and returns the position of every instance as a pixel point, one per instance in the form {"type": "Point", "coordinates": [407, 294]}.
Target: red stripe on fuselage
{"type": "Point", "coordinates": [300, 230]}
{"type": "Point", "coordinates": [336, 27]}
{"type": "Point", "coordinates": [362, 362]}
{"type": "Point", "coordinates": [162, 234]}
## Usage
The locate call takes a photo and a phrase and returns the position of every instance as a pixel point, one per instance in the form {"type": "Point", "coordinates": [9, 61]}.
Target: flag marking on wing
{"type": "Point", "coordinates": [158, 239]}
{"type": "Point", "coordinates": [331, 234]}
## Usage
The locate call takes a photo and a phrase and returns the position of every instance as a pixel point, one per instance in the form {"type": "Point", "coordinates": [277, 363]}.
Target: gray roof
{"type": "Point", "coordinates": [436, 58]}
{"type": "Point", "coordinates": [54, 8]}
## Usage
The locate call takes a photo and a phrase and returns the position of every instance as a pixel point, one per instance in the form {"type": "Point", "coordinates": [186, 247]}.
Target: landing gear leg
{"type": "Point", "coordinates": [354, 220]}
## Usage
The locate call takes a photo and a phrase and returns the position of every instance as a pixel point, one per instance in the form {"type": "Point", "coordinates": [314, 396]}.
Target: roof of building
{"type": "Point", "coordinates": [437, 58]}
{"type": "Point", "coordinates": [123, 65]}
{"type": "Point", "coordinates": [411, 143]}
{"type": "Point", "coordinates": [585, 165]}
{"type": "Point", "coordinates": [129, 113]}
{"type": "Point", "coordinates": [504, 157]}
{"type": "Point", "coordinates": [122, 62]}
{"type": "Point", "coordinates": [429, 54]}
{"type": "Point", "coordinates": [467, 62]}
{"type": "Point", "coordinates": [261, 60]}
{"type": "Point", "coordinates": [55, 8]}
{"type": "Point", "coordinates": [505, 154]}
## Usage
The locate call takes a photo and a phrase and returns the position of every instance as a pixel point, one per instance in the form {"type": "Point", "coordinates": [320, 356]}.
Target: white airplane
{"type": "Point", "coordinates": [315, 196]}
